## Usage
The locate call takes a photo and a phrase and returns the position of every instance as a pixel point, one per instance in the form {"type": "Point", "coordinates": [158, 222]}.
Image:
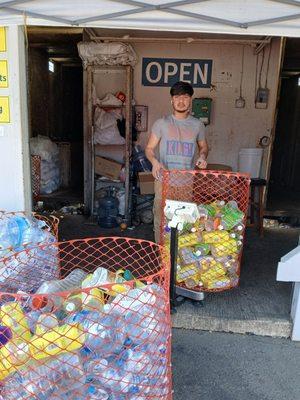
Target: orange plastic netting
{"type": "Point", "coordinates": [209, 249]}
{"type": "Point", "coordinates": [94, 322]}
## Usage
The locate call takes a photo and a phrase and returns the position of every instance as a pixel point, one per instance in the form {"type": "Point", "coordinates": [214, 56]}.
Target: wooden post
{"type": "Point", "coordinates": [128, 144]}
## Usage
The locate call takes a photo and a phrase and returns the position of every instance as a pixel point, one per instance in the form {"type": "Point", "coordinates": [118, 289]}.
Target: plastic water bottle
{"type": "Point", "coordinates": [50, 303]}
{"type": "Point", "coordinates": [41, 262]}
{"type": "Point", "coordinates": [96, 393]}
{"type": "Point", "coordinates": [58, 377]}
{"type": "Point", "coordinates": [45, 323]}
{"type": "Point", "coordinates": [99, 277]}
{"type": "Point", "coordinates": [105, 332]}
{"type": "Point", "coordinates": [21, 231]}
{"type": "Point", "coordinates": [72, 281]}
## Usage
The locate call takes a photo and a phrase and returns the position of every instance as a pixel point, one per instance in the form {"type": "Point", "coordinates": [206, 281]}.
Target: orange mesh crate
{"type": "Point", "coordinates": [36, 176]}
{"type": "Point", "coordinates": [210, 251]}
{"type": "Point", "coordinates": [113, 343]}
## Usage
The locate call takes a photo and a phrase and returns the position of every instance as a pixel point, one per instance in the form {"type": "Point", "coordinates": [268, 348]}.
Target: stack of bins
{"type": "Point", "coordinates": [101, 331]}
{"type": "Point", "coordinates": [210, 250]}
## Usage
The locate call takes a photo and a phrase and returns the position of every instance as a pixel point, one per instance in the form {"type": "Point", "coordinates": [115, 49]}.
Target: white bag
{"type": "Point", "coordinates": [106, 128]}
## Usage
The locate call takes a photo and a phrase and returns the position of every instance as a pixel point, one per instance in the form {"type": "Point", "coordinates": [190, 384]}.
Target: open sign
{"type": "Point", "coordinates": [167, 71]}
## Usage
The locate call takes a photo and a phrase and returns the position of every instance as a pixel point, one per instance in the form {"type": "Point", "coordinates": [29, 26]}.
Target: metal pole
{"type": "Point", "coordinates": [173, 257]}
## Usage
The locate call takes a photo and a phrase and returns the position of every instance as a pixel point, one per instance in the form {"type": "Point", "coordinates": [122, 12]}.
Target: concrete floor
{"type": "Point", "coordinates": [260, 305]}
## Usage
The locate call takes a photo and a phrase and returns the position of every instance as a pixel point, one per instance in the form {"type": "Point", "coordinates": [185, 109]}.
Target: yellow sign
{"type": "Point", "coordinates": [2, 39]}
{"type": "Point", "coordinates": [4, 109]}
{"type": "Point", "coordinates": [3, 74]}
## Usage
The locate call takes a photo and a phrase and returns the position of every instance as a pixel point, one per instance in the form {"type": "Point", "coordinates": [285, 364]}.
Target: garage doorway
{"type": "Point", "coordinates": [56, 108]}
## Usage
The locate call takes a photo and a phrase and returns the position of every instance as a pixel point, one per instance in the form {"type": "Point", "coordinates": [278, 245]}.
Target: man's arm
{"type": "Point", "coordinates": [203, 152]}
{"type": "Point", "coordinates": [150, 154]}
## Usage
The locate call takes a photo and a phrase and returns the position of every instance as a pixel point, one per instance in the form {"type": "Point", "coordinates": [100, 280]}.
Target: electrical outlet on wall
{"type": "Point", "coordinates": [262, 98]}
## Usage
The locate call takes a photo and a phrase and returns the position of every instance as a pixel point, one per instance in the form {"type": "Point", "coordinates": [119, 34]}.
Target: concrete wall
{"type": "Point", "coordinates": [15, 184]}
{"type": "Point", "coordinates": [231, 128]}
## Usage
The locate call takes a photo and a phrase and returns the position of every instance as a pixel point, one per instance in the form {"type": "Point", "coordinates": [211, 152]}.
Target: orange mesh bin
{"type": "Point", "coordinates": [36, 176]}
{"type": "Point", "coordinates": [210, 249]}
{"type": "Point", "coordinates": [100, 331]}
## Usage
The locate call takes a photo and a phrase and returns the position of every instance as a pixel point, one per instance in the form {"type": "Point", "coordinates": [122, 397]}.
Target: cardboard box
{"type": "Point", "coordinates": [146, 183]}
{"type": "Point", "coordinates": [108, 168]}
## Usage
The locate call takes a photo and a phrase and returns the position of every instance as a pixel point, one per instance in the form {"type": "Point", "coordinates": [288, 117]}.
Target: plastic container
{"type": "Point", "coordinates": [108, 210]}
{"type": "Point", "coordinates": [117, 349]}
{"type": "Point", "coordinates": [250, 161]}
{"type": "Point", "coordinates": [216, 236]}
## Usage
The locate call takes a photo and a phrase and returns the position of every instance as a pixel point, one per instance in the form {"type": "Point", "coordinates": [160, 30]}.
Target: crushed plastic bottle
{"type": "Point", "coordinates": [96, 393]}
{"type": "Point", "coordinates": [57, 378]}
{"type": "Point", "coordinates": [42, 263]}
{"type": "Point", "coordinates": [17, 231]}
{"type": "Point", "coordinates": [105, 332]}
{"type": "Point", "coordinates": [45, 323]}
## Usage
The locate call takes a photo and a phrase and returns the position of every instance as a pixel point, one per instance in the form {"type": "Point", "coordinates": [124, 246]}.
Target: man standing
{"type": "Point", "coordinates": [177, 136]}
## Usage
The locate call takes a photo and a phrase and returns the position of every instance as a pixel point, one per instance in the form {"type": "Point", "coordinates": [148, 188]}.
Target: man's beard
{"type": "Point", "coordinates": [181, 110]}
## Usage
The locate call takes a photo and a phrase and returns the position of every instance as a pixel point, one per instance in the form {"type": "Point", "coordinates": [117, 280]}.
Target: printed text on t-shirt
{"type": "Point", "coordinates": [176, 148]}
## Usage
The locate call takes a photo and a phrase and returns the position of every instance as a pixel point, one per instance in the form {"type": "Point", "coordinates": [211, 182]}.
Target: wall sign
{"type": "Point", "coordinates": [2, 39]}
{"type": "Point", "coordinates": [4, 109]}
{"type": "Point", "coordinates": [3, 74]}
{"type": "Point", "coordinates": [167, 71]}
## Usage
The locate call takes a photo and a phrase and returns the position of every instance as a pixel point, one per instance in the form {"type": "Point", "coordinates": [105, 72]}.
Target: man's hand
{"type": "Point", "coordinates": [201, 163]}
{"type": "Point", "coordinates": [156, 169]}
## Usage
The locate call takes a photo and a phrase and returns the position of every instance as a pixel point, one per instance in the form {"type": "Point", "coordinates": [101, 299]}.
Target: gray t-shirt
{"type": "Point", "coordinates": [178, 140]}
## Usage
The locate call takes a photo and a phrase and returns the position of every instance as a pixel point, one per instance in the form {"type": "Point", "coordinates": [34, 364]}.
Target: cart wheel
{"type": "Point", "coordinates": [180, 300]}
{"type": "Point", "coordinates": [173, 310]}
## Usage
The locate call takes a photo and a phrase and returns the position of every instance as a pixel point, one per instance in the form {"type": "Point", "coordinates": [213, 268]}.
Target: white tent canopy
{"type": "Point", "coordinates": [248, 17]}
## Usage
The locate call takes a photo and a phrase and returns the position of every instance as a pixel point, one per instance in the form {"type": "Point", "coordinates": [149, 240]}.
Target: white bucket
{"type": "Point", "coordinates": [250, 161]}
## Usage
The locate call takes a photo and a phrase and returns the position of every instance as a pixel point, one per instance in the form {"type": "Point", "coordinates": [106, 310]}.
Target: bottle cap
{"type": "Point", "coordinates": [70, 307]}
{"type": "Point", "coordinates": [39, 302]}
{"type": "Point", "coordinates": [92, 390]}
{"type": "Point", "coordinates": [128, 275]}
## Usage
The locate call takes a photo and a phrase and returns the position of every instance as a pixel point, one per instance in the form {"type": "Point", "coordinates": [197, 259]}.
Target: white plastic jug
{"type": "Point", "coordinates": [250, 161]}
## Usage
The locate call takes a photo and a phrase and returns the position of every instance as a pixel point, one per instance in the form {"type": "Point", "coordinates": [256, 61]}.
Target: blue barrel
{"type": "Point", "coordinates": [108, 211]}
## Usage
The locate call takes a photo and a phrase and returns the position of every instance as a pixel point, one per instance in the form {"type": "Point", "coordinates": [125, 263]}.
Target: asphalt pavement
{"type": "Point", "coordinates": [225, 366]}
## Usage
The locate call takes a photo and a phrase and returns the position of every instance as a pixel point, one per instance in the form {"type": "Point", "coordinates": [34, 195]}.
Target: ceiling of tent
{"type": "Point", "coordinates": [246, 17]}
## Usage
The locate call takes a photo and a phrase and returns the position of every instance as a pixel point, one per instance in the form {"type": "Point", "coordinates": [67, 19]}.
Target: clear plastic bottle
{"type": "Point", "coordinates": [105, 332]}
{"type": "Point", "coordinates": [58, 377]}
{"type": "Point", "coordinates": [99, 277]}
{"type": "Point", "coordinates": [45, 323]}
{"type": "Point", "coordinates": [53, 302]}
{"type": "Point", "coordinates": [72, 281]}
{"type": "Point", "coordinates": [96, 393]}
